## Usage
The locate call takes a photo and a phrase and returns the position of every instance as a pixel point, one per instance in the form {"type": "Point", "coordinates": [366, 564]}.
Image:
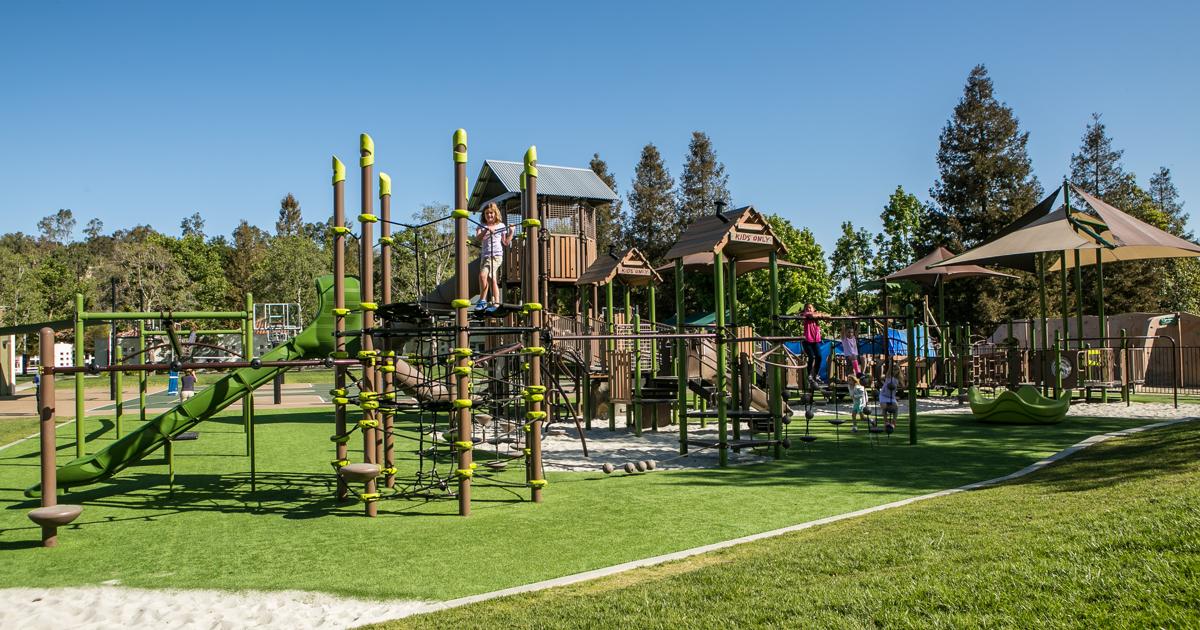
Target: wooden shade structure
{"type": "Point", "coordinates": [631, 269]}
{"type": "Point", "coordinates": [704, 262]}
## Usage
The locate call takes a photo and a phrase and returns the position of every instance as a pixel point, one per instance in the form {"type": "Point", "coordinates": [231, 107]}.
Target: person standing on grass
{"type": "Point", "coordinates": [187, 385]}
{"type": "Point", "coordinates": [812, 342]}
{"type": "Point", "coordinates": [493, 237]}
{"type": "Point", "coordinates": [858, 401]}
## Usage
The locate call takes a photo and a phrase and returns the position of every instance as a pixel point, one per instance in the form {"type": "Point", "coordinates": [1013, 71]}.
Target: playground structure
{"type": "Point", "coordinates": [482, 388]}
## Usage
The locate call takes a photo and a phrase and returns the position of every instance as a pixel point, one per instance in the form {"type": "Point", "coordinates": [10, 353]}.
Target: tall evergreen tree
{"type": "Point", "coordinates": [703, 182]}
{"type": "Point", "coordinates": [1165, 197]}
{"type": "Point", "coordinates": [249, 248]}
{"type": "Point", "coordinates": [610, 217]}
{"type": "Point", "coordinates": [1097, 167]}
{"type": "Point", "coordinates": [985, 181]}
{"type": "Point", "coordinates": [652, 224]}
{"type": "Point", "coordinates": [290, 221]}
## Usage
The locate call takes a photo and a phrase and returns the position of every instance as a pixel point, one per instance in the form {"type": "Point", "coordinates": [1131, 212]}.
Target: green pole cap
{"type": "Point", "coordinates": [385, 184]}
{"type": "Point", "coordinates": [366, 147]}
{"type": "Point", "coordinates": [339, 170]}
{"type": "Point", "coordinates": [531, 162]}
{"type": "Point", "coordinates": [460, 140]}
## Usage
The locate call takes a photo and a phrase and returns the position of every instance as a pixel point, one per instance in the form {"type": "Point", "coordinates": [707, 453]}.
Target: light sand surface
{"type": "Point", "coordinates": [119, 607]}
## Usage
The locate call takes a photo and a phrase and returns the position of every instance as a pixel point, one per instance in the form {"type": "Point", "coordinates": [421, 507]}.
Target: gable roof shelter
{"type": "Point", "coordinates": [740, 233]}
{"type": "Point", "coordinates": [500, 180]}
{"type": "Point", "coordinates": [631, 269]}
{"type": "Point", "coordinates": [704, 262]}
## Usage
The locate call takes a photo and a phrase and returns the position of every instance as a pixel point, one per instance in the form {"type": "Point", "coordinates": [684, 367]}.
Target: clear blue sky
{"type": "Point", "coordinates": [145, 113]}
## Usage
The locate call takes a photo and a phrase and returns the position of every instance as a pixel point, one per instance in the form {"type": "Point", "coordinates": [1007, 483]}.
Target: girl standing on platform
{"type": "Point", "coordinates": [493, 237]}
{"type": "Point", "coordinates": [812, 342]}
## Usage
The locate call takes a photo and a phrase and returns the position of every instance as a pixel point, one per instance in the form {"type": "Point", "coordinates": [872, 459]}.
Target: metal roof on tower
{"type": "Point", "coordinates": [498, 178]}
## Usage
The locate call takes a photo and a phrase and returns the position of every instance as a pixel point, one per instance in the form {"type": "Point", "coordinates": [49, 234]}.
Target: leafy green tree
{"type": "Point", "coordinates": [652, 226]}
{"type": "Point", "coordinates": [702, 183]}
{"type": "Point", "coordinates": [286, 270]}
{"type": "Point", "coordinates": [21, 293]}
{"type": "Point", "coordinates": [434, 244]}
{"type": "Point", "coordinates": [192, 226]}
{"type": "Point", "coordinates": [58, 227]}
{"type": "Point", "coordinates": [290, 221]}
{"type": "Point", "coordinates": [848, 265]}
{"type": "Point", "coordinates": [610, 217]}
{"type": "Point", "coordinates": [203, 264]}
{"type": "Point", "coordinates": [903, 221]}
{"type": "Point", "coordinates": [796, 286]}
{"type": "Point", "coordinates": [248, 249]}
{"type": "Point", "coordinates": [94, 229]}
{"type": "Point", "coordinates": [985, 181]}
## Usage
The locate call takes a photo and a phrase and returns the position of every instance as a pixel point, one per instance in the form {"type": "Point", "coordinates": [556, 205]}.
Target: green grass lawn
{"type": "Point", "coordinates": [212, 531]}
{"type": "Point", "coordinates": [1108, 538]}
{"type": "Point", "coordinates": [12, 429]}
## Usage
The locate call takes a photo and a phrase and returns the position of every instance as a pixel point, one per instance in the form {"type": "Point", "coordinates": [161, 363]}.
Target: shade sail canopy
{"type": "Point", "coordinates": [1124, 237]}
{"type": "Point", "coordinates": [879, 285]}
{"type": "Point", "coordinates": [920, 271]}
{"type": "Point", "coordinates": [700, 262]}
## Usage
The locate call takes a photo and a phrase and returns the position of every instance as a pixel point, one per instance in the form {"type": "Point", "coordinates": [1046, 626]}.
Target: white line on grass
{"type": "Point", "coordinates": [687, 553]}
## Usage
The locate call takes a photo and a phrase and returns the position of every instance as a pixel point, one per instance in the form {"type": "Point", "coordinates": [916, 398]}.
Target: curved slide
{"type": "Point", "coordinates": [315, 342]}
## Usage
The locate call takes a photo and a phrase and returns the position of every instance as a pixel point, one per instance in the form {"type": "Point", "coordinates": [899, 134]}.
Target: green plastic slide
{"type": "Point", "coordinates": [315, 342]}
{"type": "Point", "coordinates": [1024, 406]}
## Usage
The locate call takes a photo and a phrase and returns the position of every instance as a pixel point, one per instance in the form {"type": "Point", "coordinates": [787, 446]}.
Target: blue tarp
{"type": "Point", "coordinates": [866, 345]}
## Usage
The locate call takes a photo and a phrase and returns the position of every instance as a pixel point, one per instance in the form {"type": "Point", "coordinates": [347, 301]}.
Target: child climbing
{"type": "Point", "coordinates": [812, 342]}
{"type": "Point", "coordinates": [850, 349]}
{"type": "Point", "coordinates": [858, 400]}
{"type": "Point", "coordinates": [493, 237]}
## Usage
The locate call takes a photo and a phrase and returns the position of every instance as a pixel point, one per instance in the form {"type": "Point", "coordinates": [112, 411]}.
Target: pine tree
{"type": "Point", "coordinates": [652, 224]}
{"type": "Point", "coordinates": [249, 248]}
{"type": "Point", "coordinates": [985, 181]}
{"type": "Point", "coordinates": [703, 182]}
{"type": "Point", "coordinates": [903, 220]}
{"type": "Point", "coordinates": [1097, 167]}
{"type": "Point", "coordinates": [1165, 198]}
{"type": "Point", "coordinates": [290, 221]}
{"type": "Point", "coordinates": [610, 217]}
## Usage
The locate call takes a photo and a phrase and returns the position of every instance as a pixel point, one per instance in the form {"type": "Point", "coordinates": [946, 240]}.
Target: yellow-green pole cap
{"type": "Point", "coordinates": [385, 184]}
{"type": "Point", "coordinates": [531, 162]}
{"type": "Point", "coordinates": [460, 139]}
{"type": "Point", "coordinates": [339, 170]}
{"type": "Point", "coordinates": [366, 147]}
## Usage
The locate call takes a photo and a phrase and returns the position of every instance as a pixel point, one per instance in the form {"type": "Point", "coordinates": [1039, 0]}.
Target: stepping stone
{"type": "Point", "coordinates": [55, 515]}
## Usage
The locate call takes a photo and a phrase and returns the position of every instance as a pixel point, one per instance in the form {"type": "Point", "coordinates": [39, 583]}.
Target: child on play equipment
{"type": "Point", "coordinates": [187, 385]}
{"type": "Point", "coordinates": [887, 399]}
{"type": "Point", "coordinates": [493, 237]}
{"type": "Point", "coordinates": [850, 348]}
{"type": "Point", "coordinates": [812, 342]}
{"type": "Point", "coordinates": [858, 401]}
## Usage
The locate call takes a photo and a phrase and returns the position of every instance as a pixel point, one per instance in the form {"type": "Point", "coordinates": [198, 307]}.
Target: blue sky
{"type": "Point", "coordinates": [145, 113]}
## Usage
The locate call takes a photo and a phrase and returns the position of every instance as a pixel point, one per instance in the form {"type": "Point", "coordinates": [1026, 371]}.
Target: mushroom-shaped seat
{"type": "Point", "coordinates": [55, 515]}
{"type": "Point", "coordinates": [359, 472]}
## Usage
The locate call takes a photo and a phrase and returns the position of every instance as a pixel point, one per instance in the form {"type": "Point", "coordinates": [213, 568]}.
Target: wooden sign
{"type": "Point", "coordinates": [633, 271]}
{"type": "Point", "coordinates": [747, 237]}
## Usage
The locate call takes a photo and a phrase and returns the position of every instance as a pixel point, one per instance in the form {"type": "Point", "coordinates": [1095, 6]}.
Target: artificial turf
{"type": "Point", "coordinates": [1108, 538]}
{"type": "Point", "coordinates": [212, 531]}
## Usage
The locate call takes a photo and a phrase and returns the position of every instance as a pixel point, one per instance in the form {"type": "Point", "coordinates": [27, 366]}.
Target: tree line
{"type": "Point", "coordinates": [985, 180]}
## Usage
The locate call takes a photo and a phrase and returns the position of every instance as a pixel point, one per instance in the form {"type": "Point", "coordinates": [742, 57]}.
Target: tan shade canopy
{"type": "Point", "coordinates": [920, 271]}
{"type": "Point", "coordinates": [700, 262]}
{"type": "Point", "coordinates": [1017, 250]}
{"type": "Point", "coordinates": [1128, 238]}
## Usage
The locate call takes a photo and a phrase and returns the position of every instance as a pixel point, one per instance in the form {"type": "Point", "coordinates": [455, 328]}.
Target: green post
{"type": "Point", "coordinates": [585, 396]}
{"type": "Point", "coordinates": [1079, 304]}
{"type": "Point", "coordinates": [680, 359]}
{"type": "Point", "coordinates": [1012, 378]}
{"type": "Point", "coordinates": [1100, 312]}
{"type": "Point", "coordinates": [1064, 309]}
{"type": "Point", "coordinates": [776, 380]}
{"type": "Point", "coordinates": [635, 369]}
{"type": "Point", "coordinates": [1125, 366]}
{"type": "Point", "coordinates": [721, 385]}
{"type": "Point", "coordinates": [653, 310]}
{"type": "Point", "coordinates": [610, 328]}
{"type": "Point", "coordinates": [910, 322]}
{"type": "Point", "coordinates": [80, 449]}
{"type": "Point", "coordinates": [735, 372]}
{"type": "Point", "coordinates": [1058, 384]}
{"type": "Point", "coordinates": [248, 401]}
{"type": "Point", "coordinates": [967, 358]}
{"type": "Point", "coordinates": [942, 337]}
{"type": "Point", "coordinates": [143, 376]}
{"type": "Point", "coordinates": [120, 398]}
{"type": "Point", "coordinates": [637, 379]}
{"type": "Point", "coordinates": [1044, 318]}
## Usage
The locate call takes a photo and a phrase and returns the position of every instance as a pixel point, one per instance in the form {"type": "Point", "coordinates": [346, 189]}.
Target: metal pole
{"type": "Point", "coordinates": [119, 398]}
{"type": "Point", "coordinates": [248, 401]}
{"type": "Point", "coordinates": [142, 376]}
{"type": "Point", "coordinates": [735, 369]}
{"type": "Point", "coordinates": [776, 380]}
{"type": "Point", "coordinates": [1058, 384]}
{"type": "Point", "coordinates": [1100, 311]}
{"type": "Point", "coordinates": [1078, 304]}
{"type": "Point", "coordinates": [46, 427]}
{"type": "Point", "coordinates": [612, 347]}
{"type": "Point", "coordinates": [80, 449]}
{"type": "Point", "coordinates": [112, 343]}
{"type": "Point", "coordinates": [585, 393]}
{"type": "Point", "coordinates": [721, 385]}
{"type": "Point", "coordinates": [339, 313]}
{"type": "Point", "coordinates": [462, 364]}
{"type": "Point", "coordinates": [1064, 309]}
{"type": "Point", "coordinates": [653, 310]}
{"type": "Point", "coordinates": [1044, 319]}
{"type": "Point", "coordinates": [536, 388]}
{"type": "Point", "coordinates": [909, 322]}
{"type": "Point", "coordinates": [680, 359]}
{"type": "Point", "coordinates": [1125, 367]}
{"type": "Point", "coordinates": [637, 379]}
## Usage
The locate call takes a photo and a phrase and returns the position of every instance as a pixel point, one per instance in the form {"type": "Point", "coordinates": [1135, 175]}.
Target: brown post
{"type": "Point", "coordinates": [385, 297]}
{"type": "Point", "coordinates": [462, 364]}
{"type": "Point", "coordinates": [339, 310]}
{"type": "Point", "coordinates": [533, 298]}
{"type": "Point", "coordinates": [47, 430]}
{"type": "Point", "coordinates": [366, 285]}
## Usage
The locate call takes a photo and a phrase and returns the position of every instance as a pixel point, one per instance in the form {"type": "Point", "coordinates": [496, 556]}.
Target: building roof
{"type": "Point", "coordinates": [498, 178]}
{"type": "Point", "coordinates": [741, 233]}
{"type": "Point", "coordinates": [631, 268]}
